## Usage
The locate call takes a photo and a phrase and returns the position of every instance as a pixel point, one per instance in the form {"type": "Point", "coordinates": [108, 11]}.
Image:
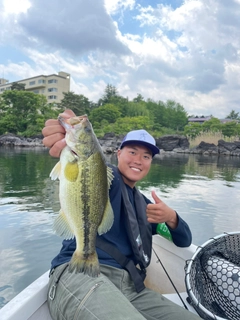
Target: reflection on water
{"type": "Point", "coordinates": [203, 190]}
{"type": "Point", "coordinates": [27, 243]}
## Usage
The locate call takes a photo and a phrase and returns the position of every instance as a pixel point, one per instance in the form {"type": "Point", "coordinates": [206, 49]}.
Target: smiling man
{"type": "Point", "coordinates": [135, 156]}
{"type": "Point", "coordinates": [124, 252]}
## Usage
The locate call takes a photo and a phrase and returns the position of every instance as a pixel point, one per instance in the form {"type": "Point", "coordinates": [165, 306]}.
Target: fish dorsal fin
{"type": "Point", "coordinates": [109, 176]}
{"type": "Point", "coordinates": [107, 220]}
{"type": "Point", "coordinates": [55, 173]}
{"type": "Point", "coordinates": [62, 227]}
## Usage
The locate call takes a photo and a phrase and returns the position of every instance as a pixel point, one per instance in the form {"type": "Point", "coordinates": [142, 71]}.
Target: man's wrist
{"type": "Point", "coordinates": [173, 223]}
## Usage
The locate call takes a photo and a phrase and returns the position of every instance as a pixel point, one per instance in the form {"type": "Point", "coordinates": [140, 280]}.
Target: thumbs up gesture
{"type": "Point", "coordinates": [159, 212]}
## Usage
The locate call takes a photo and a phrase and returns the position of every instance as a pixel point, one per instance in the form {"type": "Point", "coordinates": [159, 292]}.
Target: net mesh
{"type": "Point", "coordinates": [213, 278]}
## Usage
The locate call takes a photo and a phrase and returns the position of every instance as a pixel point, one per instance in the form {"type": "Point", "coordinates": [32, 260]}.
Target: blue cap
{"type": "Point", "coordinates": [141, 137]}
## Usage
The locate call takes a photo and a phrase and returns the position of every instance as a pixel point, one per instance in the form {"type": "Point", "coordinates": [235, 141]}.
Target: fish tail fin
{"type": "Point", "coordinates": [92, 267]}
{"type": "Point", "coordinates": [87, 264]}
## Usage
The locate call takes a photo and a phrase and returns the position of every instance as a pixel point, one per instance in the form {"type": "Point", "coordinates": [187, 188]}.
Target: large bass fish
{"type": "Point", "coordinates": [83, 193]}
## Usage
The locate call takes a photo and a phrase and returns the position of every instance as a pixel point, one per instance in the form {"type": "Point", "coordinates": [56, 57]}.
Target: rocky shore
{"type": "Point", "coordinates": [110, 143]}
{"type": "Point", "coordinates": [12, 140]}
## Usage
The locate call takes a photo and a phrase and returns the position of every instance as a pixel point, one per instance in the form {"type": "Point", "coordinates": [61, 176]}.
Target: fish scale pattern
{"type": "Point", "coordinates": [213, 278]}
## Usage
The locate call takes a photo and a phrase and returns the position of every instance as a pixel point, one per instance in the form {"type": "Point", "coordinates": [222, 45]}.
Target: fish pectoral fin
{"type": "Point", "coordinates": [62, 227]}
{"type": "Point", "coordinates": [107, 220]}
{"type": "Point", "coordinates": [110, 176]}
{"type": "Point", "coordinates": [55, 173]}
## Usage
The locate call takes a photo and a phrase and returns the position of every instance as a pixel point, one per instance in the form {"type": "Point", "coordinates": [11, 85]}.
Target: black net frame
{"type": "Point", "coordinates": [203, 293]}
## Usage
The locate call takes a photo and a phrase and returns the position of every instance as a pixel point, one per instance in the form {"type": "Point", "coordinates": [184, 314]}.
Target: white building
{"type": "Point", "coordinates": [51, 86]}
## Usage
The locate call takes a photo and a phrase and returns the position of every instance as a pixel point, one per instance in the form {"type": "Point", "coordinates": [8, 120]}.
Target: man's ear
{"type": "Point", "coordinates": [119, 152]}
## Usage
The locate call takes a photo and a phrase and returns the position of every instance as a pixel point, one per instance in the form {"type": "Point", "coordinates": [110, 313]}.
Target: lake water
{"type": "Point", "coordinates": [204, 190]}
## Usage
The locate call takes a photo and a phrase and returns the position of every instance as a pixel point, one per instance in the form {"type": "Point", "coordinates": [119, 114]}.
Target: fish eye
{"type": "Point", "coordinates": [87, 129]}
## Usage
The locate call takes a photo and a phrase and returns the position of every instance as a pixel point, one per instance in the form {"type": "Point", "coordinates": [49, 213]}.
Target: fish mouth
{"type": "Point", "coordinates": [70, 122]}
{"type": "Point", "coordinates": [76, 120]}
{"type": "Point", "coordinates": [75, 127]}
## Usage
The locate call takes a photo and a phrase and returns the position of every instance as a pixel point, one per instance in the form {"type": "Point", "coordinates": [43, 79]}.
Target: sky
{"type": "Point", "coordinates": [187, 51]}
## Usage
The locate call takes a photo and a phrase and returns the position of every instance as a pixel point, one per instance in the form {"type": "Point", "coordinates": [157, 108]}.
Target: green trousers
{"type": "Point", "coordinates": [110, 296]}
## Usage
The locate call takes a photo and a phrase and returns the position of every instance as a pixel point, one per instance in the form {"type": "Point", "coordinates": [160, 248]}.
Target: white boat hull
{"type": "Point", "coordinates": [31, 303]}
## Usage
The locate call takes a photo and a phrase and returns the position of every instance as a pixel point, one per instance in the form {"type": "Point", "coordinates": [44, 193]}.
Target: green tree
{"type": "Point", "coordinates": [23, 112]}
{"type": "Point", "coordinates": [123, 125]}
{"type": "Point", "coordinates": [230, 129]}
{"type": "Point", "coordinates": [107, 112]}
{"type": "Point", "coordinates": [18, 86]}
{"type": "Point", "coordinates": [192, 130]}
{"type": "Point", "coordinates": [121, 103]}
{"type": "Point", "coordinates": [214, 125]}
{"type": "Point", "coordinates": [79, 104]}
{"type": "Point", "coordinates": [139, 98]}
{"type": "Point", "coordinates": [176, 115]}
{"type": "Point", "coordinates": [110, 92]}
{"type": "Point", "coordinates": [169, 115]}
{"type": "Point", "coordinates": [233, 115]}
{"type": "Point", "coordinates": [238, 130]}
{"type": "Point", "coordinates": [157, 112]}
{"type": "Point", "coordinates": [135, 109]}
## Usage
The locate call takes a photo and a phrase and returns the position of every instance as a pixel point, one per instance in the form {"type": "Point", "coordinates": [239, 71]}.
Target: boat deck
{"type": "Point", "coordinates": [31, 303]}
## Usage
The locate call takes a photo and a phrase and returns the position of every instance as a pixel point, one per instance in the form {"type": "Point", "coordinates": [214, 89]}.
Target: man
{"type": "Point", "coordinates": [118, 292]}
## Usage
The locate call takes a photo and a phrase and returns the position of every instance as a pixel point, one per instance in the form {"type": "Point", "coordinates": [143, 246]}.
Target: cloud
{"type": "Point", "coordinates": [114, 6]}
{"type": "Point", "coordinates": [77, 27]}
{"type": "Point", "coordinates": [182, 50]}
{"type": "Point", "coordinates": [204, 35]}
{"type": "Point", "coordinates": [11, 6]}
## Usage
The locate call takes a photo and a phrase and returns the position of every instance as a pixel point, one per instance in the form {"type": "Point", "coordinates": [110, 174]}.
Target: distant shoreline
{"type": "Point", "coordinates": [167, 144]}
